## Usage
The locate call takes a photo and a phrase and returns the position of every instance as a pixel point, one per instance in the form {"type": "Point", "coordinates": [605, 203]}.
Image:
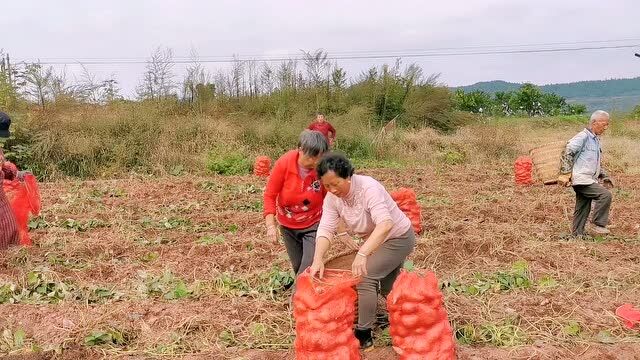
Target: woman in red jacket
{"type": "Point", "coordinates": [294, 197]}
{"type": "Point", "coordinates": [8, 226]}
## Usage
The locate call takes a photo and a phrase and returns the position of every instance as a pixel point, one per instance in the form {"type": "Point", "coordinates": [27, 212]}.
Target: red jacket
{"type": "Point", "coordinates": [325, 128]}
{"type": "Point", "coordinates": [297, 203]}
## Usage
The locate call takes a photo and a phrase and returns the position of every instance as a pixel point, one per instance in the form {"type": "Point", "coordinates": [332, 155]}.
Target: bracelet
{"type": "Point", "coordinates": [361, 254]}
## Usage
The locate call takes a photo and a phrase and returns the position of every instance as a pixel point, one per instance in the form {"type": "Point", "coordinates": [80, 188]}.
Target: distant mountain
{"type": "Point", "coordinates": [614, 94]}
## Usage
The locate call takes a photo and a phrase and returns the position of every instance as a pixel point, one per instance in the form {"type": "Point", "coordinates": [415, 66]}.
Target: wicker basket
{"type": "Point", "coordinates": [341, 261]}
{"type": "Point", "coordinates": [546, 161]}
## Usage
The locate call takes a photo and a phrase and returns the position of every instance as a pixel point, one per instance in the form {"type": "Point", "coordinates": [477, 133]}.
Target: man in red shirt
{"type": "Point", "coordinates": [322, 125]}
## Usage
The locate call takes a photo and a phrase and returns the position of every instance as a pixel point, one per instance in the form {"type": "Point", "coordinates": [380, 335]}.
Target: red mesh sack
{"type": "Point", "coordinates": [418, 321]}
{"type": "Point", "coordinates": [24, 197]}
{"type": "Point", "coordinates": [523, 169]}
{"type": "Point", "coordinates": [406, 200]}
{"type": "Point", "coordinates": [262, 166]}
{"type": "Point", "coordinates": [629, 315]}
{"type": "Point", "coordinates": [324, 311]}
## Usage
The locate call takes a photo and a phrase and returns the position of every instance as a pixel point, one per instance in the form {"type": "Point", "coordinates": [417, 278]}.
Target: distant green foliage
{"type": "Point", "coordinates": [528, 100]}
{"type": "Point", "coordinates": [620, 94]}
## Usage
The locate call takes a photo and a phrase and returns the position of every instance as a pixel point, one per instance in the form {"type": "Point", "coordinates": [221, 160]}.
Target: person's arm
{"type": "Point", "coordinates": [375, 201]}
{"type": "Point", "coordinates": [574, 146]}
{"type": "Point", "coordinates": [332, 132]}
{"type": "Point", "coordinates": [606, 179]}
{"type": "Point", "coordinates": [324, 235]}
{"type": "Point", "coordinates": [272, 190]}
{"type": "Point", "coordinates": [322, 246]}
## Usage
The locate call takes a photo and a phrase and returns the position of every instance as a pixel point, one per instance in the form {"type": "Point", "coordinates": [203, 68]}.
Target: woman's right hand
{"type": "Point", "coordinates": [272, 233]}
{"type": "Point", "coordinates": [317, 267]}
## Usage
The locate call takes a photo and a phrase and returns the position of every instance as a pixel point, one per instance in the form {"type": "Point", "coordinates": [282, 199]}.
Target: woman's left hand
{"type": "Point", "coordinates": [359, 266]}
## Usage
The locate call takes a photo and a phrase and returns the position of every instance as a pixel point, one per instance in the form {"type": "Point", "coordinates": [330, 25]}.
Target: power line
{"type": "Point", "coordinates": [366, 54]}
{"type": "Point", "coordinates": [348, 57]}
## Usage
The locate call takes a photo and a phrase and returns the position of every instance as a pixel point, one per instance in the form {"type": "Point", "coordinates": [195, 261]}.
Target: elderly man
{"type": "Point", "coordinates": [581, 167]}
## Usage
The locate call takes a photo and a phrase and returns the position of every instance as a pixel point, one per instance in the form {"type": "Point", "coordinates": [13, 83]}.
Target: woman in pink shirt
{"type": "Point", "coordinates": [370, 214]}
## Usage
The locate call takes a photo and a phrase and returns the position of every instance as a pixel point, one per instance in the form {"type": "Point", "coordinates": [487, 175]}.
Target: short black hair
{"type": "Point", "coordinates": [336, 162]}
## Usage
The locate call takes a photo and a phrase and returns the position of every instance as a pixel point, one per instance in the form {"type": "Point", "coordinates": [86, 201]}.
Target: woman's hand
{"type": "Point", "coordinates": [272, 228]}
{"type": "Point", "coordinates": [272, 233]}
{"type": "Point", "coordinates": [359, 266]}
{"type": "Point", "coordinates": [317, 268]}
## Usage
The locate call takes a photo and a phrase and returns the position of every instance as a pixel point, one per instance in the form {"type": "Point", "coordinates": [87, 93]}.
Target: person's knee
{"type": "Point", "coordinates": [606, 196]}
{"type": "Point", "coordinates": [367, 285]}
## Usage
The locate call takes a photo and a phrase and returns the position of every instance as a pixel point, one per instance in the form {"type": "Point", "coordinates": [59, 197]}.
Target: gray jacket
{"type": "Point", "coordinates": [582, 158]}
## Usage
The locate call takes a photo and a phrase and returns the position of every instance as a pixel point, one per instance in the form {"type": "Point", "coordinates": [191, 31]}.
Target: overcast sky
{"type": "Point", "coordinates": [105, 30]}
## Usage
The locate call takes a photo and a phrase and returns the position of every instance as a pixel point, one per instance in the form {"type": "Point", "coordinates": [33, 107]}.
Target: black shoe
{"type": "Point", "coordinates": [382, 320]}
{"type": "Point", "coordinates": [365, 337]}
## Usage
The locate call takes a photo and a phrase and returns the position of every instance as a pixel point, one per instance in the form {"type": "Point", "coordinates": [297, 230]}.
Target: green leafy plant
{"type": "Point", "coordinates": [572, 328]}
{"type": "Point", "coordinates": [80, 226]}
{"type": "Point", "coordinates": [149, 257]}
{"type": "Point", "coordinates": [12, 341]}
{"type": "Point", "coordinates": [211, 240]}
{"type": "Point", "coordinates": [166, 286]}
{"type": "Point", "coordinates": [108, 337]}
{"type": "Point", "coordinates": [275, 280]}
{"type": "Point", "coordinates": [232, 163]}
{"type": "Point", "coordinates": [227, 284]}
{"type": "Point", "coordinates": [38, 223]}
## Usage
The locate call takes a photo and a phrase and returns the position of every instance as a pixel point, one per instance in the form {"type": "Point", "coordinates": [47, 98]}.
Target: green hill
{"type": "Point", "coordinates": [613, 94]}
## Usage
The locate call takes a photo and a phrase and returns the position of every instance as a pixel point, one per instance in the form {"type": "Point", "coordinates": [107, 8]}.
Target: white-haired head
{"type": "Point", "coordinates": [598, 115]}
{"type": "Point", "coordinates": [599, 122]}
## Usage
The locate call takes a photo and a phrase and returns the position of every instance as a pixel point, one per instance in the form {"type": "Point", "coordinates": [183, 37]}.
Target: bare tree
{"type": "Point", "coordinates": [8, 91]}
{"type": "Point", "coordinates": [287, 76]}
{"type": "Point", "coordinates": [92, 90]}
{"type": "Point", "coordinates": [110, 91]}
{"type": "Point", "coordinates": [36, 83]}
{"type": "Point", "coordinates": [266, 78]}
{"type": "Point", "coordinates": [252, 73]}
{"type": "Point", "coordinates": [318, 73]}
{"type": "Point", "coordinates": [157, 81]}
{"type": "Point", "coordinates": [237, 77]}
{"type": "Point", "coordinates": [88, 87]}
{"type": "Point", "coordinates": [317, 65]}
{"type": "Point", "coordinates": [196, 77]}
{"type": "Point", "coordinates": [221, 85]}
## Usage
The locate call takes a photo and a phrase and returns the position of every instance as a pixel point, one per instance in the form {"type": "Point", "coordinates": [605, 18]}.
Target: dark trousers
{"type": "Point", "coordinates": [383, 267]}
{"type": "Point", "coordinates": [300, 245]}
{"type": "Point", "coordinates": [585, 195]}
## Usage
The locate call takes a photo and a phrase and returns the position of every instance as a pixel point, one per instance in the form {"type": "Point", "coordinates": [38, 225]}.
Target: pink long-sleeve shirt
{"type": "Point", "coordinates": [367, 204]}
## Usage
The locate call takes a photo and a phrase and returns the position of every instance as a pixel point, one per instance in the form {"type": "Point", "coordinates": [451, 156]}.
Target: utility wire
{"type": "Point", "coordinates": [352, 55]}
{"type": "Point", "coordinates": [347, 57]}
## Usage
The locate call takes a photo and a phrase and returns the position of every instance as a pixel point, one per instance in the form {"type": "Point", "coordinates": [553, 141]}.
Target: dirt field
{"type": "Point", "coordinates": [179, 268]}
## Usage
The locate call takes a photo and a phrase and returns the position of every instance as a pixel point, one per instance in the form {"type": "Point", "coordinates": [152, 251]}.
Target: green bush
{"type": "Point", "coordinates": [233, 163]}
{"type": "Point", "coordinates": [635, 113]}
{"type": "Point", "coordinates": [453, 157]}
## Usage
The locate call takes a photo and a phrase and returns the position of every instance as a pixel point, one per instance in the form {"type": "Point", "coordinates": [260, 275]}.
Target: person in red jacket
{"type": "Point", "coordinates": [294, 197]}
{"type": "Point", "coordinates": [322, 125]}
{"type": "Point", "coordinates": [8, 225]}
